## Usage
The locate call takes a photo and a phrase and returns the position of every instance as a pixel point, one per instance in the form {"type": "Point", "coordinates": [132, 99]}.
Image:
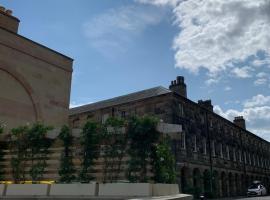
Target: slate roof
{"type": "Point", "coordinates": [143, 94]}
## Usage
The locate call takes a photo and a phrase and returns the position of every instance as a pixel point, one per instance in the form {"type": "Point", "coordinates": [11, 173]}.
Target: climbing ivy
{"type": "Point", "coordinates": [38, 154]}
{"type": "Point", "coordinates": [90, 138]}
{"type": "Point", "coordinates": [2, 172]}
{"type": "Point", "coordinates": [67, 170]}
{"type": "Point", "coordinates": [18, 146]}
{"type": "Point", "coordinates": [163, 162]}
{"type": "Point", "coordinates": [114, 145]}
{"type": "Point", "coordinates": [142, 136]}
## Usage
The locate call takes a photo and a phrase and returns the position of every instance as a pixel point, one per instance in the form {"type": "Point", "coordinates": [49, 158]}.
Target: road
{"type": "Point", "coordinates": [248, 198]}
{"type": "Point", "coordinates": [256, 198]}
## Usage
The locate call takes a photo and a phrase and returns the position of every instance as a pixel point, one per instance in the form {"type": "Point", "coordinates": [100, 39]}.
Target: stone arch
{"type": "Point", "coordinates": [248, 180]}
{"type": "Point", "coordinates": [27, 88]}
{"type": "Point", "coordinates": [207, 183]}
{"type": "Point", "coordinates": [216, 184]}
{"type": "Point", "coordinates": [242, 185]}
{"type": "Point", "coordinates": [231, 182]}
{"type": "Point", "coordinates": [267, 183]}
{"type": "Point", "coordinates": [237, 183]}
{"type": "Point", "coordinates": [224, 184]}
{"type": "Point", "coordinates": [185, 180]}
{"type": "Point", "coordinates": [197, 180]}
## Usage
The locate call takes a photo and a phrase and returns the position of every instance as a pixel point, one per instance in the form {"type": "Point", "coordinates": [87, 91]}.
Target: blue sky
{"type": "Point", "coordinates": [121, 46]}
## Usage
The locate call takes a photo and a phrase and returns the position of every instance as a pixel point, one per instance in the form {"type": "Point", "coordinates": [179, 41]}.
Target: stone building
{"type": "Point", "coordinates": [211, 152]}
{"type": "Point", "coordinates": [34, 80]}
{"type": "Point", "coordinates": [208, 145]}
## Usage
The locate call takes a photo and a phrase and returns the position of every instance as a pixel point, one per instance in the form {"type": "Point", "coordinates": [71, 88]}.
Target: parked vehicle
{"type": "Point", "coordinates": [256, 189]}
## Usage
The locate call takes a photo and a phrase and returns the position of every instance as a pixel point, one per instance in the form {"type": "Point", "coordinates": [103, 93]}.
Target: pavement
{"type": "Point", "coordinates": [172, 197]}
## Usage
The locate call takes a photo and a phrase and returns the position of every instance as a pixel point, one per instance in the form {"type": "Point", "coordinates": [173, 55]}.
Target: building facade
{"type": "Point", "coordinates": [34, 80]}
{"type": "Point", "coordinates": [212, 154]}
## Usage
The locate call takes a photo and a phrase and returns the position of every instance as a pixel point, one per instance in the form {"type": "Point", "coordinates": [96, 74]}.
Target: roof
{"type": "Point", "coordinates": [143, 94]}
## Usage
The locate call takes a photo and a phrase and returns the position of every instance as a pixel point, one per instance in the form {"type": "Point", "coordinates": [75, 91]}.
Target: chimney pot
{"type": "Point", "coordinates": [7, 21]}
{"type": "Point", "coordinates": [2, 8]}
{"type": "Point", "coordinates": [206, 104]}
{"type": "Point", "coordinates": [178, 86]}
{"type": "Point", "coordinates": [9, 12]}
{"type": "Point", "coordinates": [240, 121]}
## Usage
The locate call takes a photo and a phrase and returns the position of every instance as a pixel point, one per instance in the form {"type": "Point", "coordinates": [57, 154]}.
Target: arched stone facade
{"type": "Point", "coordinates": [18, 102]}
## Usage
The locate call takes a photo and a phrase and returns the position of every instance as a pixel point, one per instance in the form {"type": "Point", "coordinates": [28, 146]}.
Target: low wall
{"type": "Point", "coordinates": [27, 190]}
{"type": "Point", "coordinates": [2, 189]}
{"type": "Point", "coordinates": [73, 190]}
{"type": "Point", "coordinates": [91, 189]}
{"type": "Point", "coordinates": [164, 189]}
{"type": "Point", "coordinates": [125, 189]}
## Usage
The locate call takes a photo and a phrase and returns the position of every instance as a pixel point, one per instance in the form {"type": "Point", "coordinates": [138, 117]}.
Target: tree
{"type": "Point", "coordinates": [38, 154]}
{"type": "Point", "coordinates": [2, 172]}
{"type": "Point", "coordinates": [163, 162]}
{"type": "Point", "coordinates": [67, 170]}
{"type": "Point", "coordinates": [18, 146]}
{"type": "Point", "coordinates": [90, 138]}
{"type": "Point", "coordinates": [143, 135]}
{"type": "Point", "coordinates": [114, 142]}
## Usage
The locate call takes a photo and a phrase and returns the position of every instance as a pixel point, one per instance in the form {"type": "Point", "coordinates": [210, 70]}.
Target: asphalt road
{"type": "Point", "coordinates": [248, 198]}
{"type": "Point", "coordinates": [256, 198]}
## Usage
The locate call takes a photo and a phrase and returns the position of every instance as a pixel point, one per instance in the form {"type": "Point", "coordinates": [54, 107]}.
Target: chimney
{"type": "Point", "coordinates": [206, 104]}
{"type": "Point", "coordinates": [178, 86]}
{"type": "Point", "coordinates": [7, 21]}
{"type": "Point", "coordinates": [240, 121]}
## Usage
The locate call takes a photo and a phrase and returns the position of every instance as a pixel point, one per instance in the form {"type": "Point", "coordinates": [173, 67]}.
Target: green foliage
{"type": "Point", "coordinates": [115, 142]}
{"type": "Point", "coordinates": [164, 163]}
{"type": "Point", "coordinates": [18, 145]}
{"type": "Point", "coordinates": [143, 135]}
{"type": "Point", "coordinates": [1, 128]}
{"type": "Point", "coordinates": [67, 170]}
{"type": "Point", "coordinates": [38, 145]}
{"type": "Point", "coordinates": [90, 139]}
{"type": "Point", "coordinates": [29, 145]}
{"type": "Point", "coordinates": [2, 172]}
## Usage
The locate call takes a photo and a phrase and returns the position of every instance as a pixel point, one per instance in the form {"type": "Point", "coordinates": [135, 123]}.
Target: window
{"type": "Point", "coordinates": [213, 148]}
{"type": "Point", "coordinates": [240, 156]}
{"type": "Point", "coordinates": [194, 143]}
{"type": "Point", "coordinates": [245, 157]}
{"type": "Point", "coordinates": [228, 152]}
{"type": "Point", "coordinates": [75, 123]}
{"type": "Point", "coordinates": [183, 140]}
{"type": "Point", "coordinates": [104, 118]}
{"type": "Point", "coordinates": [204, 147]}
{"type": "Point", "coordinates": [221, 150]}
{"type": "Point", "coordinates": [234, 154]}
{"type": "Point", "coordinates": [181, 109]}
{"type": "Point", "coordinates": [123, 114]}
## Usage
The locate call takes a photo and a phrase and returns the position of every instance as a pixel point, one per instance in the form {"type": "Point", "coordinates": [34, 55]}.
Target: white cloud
{"type": "Point", "coordinates": [256, 112]}
{"type": "Point", "coordinates": [260, 81]}
{"type": "Point", "coordinates": [218, 34]}
{"type": "Point", "coordinates": [243, 72]}
{"type": "Point", "coordinates": [261, 62]}
{"type": "Point", "coordinates": [258, 100]}
{"type": "Point", "coordinates": [160, 2]}
{"type": "Point", "coordinates": [114, 29]}
{"type": "Point", "coordinates": [262, 75]}
{"type": "Point", "coordinates": [227, 88]}
{"type": "Point", "coordinates": [211, 81]}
